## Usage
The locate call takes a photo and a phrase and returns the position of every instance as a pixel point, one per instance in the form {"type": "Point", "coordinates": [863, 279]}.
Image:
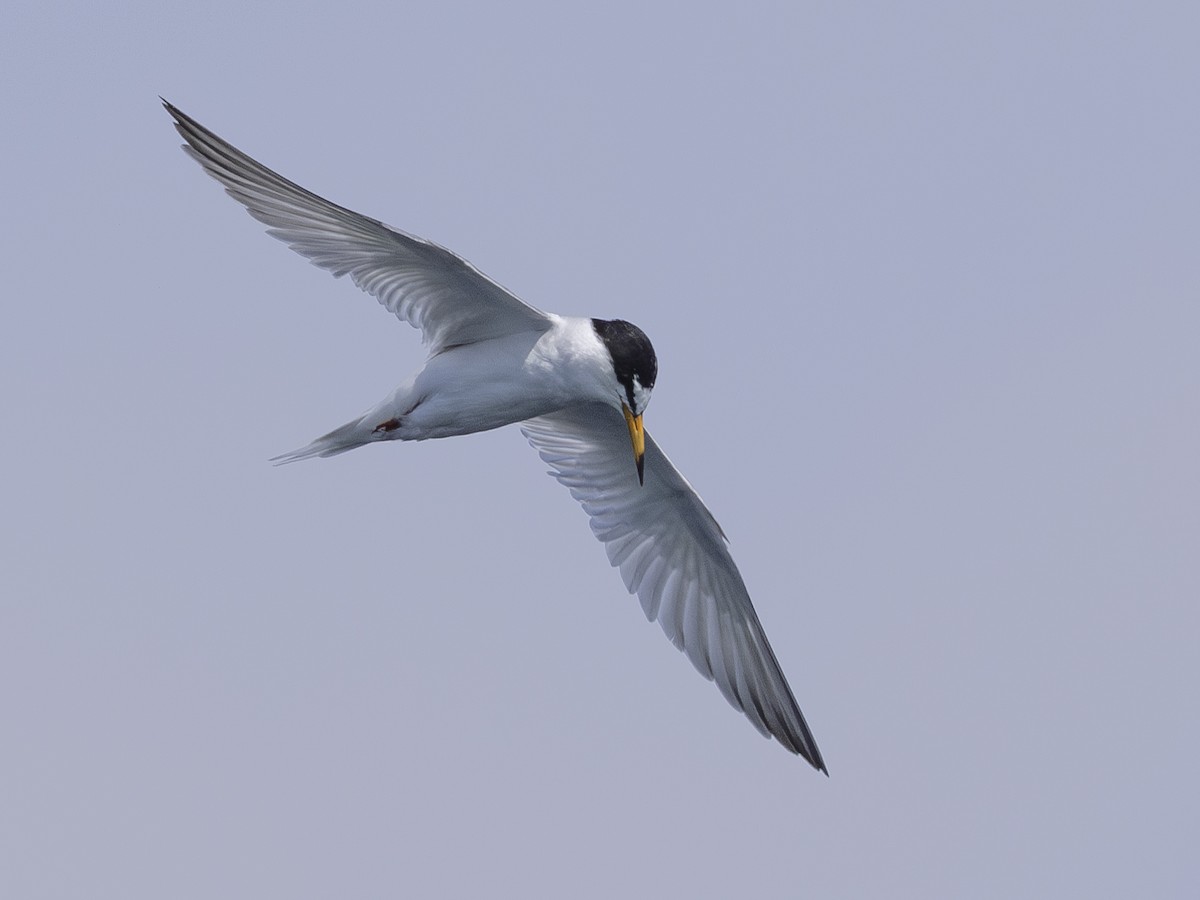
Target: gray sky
{"type": "Point", "coordinates": [924, 288]}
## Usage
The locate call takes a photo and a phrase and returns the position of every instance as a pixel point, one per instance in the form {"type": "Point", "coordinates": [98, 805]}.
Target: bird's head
{"type": "Point", "coordinates": [635, 368]}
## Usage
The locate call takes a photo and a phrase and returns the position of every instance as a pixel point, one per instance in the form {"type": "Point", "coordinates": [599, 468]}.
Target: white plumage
{"type": "Point", "coordinates": [577, 386]}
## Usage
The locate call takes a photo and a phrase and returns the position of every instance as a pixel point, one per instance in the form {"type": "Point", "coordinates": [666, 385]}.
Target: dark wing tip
{"type": "Point", "coordinates": [805, 748]}
{"type": "Point", "coordinates": [810, 752]}
{"type": "Point", "coordinates": [171, 108]}
{"type": "Point", "coordinates": [185, 124]}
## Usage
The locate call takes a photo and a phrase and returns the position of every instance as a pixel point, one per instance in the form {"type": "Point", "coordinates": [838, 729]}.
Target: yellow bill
{"type": "Point", "coordinates": [637, 434]}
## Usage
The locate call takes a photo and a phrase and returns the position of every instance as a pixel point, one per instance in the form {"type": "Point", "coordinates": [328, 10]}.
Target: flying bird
{"type": "Point", "coordinates": [578, 387]}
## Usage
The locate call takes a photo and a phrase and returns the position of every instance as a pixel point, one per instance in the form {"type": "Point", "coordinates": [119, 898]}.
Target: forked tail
{"type": "Point", "coordinates": [351, 435]}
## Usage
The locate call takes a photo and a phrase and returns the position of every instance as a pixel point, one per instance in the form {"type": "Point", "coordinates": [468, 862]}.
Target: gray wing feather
{"type": "Point", "coordinates": [673, 556]}
{"type": "Point", "coordinates": [432, 289]}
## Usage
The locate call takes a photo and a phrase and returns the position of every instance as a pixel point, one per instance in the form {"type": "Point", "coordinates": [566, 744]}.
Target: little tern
{"type": "Point", "coordinates": [578, 387]}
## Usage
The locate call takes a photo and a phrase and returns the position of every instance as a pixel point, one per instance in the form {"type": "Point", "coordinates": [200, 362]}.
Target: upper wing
{"type": "Point", "coordinates": [672, 554]}
{"type": "Point", "coordinates": [447, 298]}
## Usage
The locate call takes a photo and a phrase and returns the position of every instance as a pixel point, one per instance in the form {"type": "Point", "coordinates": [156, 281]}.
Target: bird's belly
{"type": "Point", "coordinates": [465, 409]}
{"type": "Point", "coordinates": [469, 390]}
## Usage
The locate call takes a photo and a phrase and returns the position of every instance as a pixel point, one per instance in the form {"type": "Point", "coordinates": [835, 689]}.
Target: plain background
{"type": "Point", "coordinates": [923, 280]}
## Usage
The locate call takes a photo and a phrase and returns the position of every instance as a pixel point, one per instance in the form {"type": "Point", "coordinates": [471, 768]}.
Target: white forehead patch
{"type": "Point", "coordinates": [641, 396]}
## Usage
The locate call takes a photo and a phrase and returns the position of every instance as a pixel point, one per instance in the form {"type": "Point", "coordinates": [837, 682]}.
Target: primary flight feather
{"type": "Point", "coordinates": [578, 387]}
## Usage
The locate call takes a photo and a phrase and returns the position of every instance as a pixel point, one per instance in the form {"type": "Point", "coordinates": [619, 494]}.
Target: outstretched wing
{"type": "Point", "coordinates": [432, 289]}
{"type": "Point", "coordinates": [673, 555]}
